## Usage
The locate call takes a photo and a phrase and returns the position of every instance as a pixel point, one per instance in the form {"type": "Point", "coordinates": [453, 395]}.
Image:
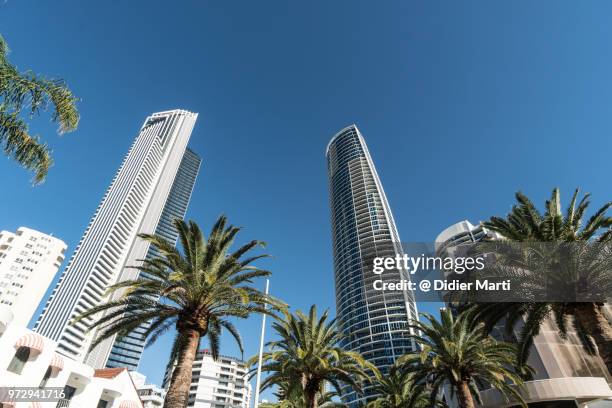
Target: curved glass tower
{"type": "Point", "coordinates": [374, 322]}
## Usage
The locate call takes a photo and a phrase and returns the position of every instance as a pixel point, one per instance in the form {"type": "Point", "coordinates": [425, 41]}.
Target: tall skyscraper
{"type": "Point", "coordinates": [374, 321]}
{"type": "Point", "coordinates": [565, 374]}
{"type": "Point", "coordinates": [28, 262]}
{"type": "Point", "coordinates": [133, 204]}
{"type": "Point", "coordinates": [126, 352]}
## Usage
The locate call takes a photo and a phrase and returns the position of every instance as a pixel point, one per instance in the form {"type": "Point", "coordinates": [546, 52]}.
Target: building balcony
{"type": "Point", "coordinates": [62, 403]}
{"type": "Point", "coordinates": [581, 389]}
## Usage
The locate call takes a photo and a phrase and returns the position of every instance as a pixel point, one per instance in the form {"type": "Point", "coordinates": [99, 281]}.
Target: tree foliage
{"type": "Point", "coordinates": [399, 389]}
{"type": "Point", "coordinates": [307, 356]}
{"type": "Point", "coordinates": [556, 252]}
{"type": "Point", "coordinates": [196, 292]}
{"type": "Point", "coordinates": [25, 94]}
{"type": "Point", "coordinates": [458, 352]}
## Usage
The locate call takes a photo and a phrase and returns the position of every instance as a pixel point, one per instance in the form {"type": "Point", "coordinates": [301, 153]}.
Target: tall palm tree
{"type": "Point", "coordinates": [195, 292]}
{"type": "Point", "coordinates": [307, 356]}
{"type": "Point", "coordinates": [458, 352]}
{"type": "Point", "coordinates": [527, 225]}
{"type": "Point", "coordinates": [26, 94]}
{"type": "Point", "coordinates": [399, 390]}
{"type": "Point", "coordinates": [566, 283]}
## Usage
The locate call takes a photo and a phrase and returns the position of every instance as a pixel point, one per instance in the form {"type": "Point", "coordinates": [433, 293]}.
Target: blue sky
{"type": "Point", "coordinates": [461, 103]}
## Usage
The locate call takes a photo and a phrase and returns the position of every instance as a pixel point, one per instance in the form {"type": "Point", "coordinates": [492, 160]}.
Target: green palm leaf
{"type": "Point", "coordinates": [25, 94]}
{"type": "Point", "coordinates": [196, 292]}
{"type": "Point", "coordinates": [456, 351]}
{"type": "Point", "coordinates": [307, 357]}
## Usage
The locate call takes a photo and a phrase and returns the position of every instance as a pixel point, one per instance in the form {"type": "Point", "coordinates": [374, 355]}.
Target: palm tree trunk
{"type": "Point", "coordinates": [310, 392]}
{"type": "Point", "coordinates": [311, 399]}
{"type": "Point", "coordinates": [178, 391]}
{"type": "Point", "coordinates": [464, 395]}
{"type": "Point", "coordinates": [593, 319]}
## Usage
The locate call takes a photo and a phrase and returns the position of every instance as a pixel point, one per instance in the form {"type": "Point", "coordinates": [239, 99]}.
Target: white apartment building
{"type": "Point", "coordinates": [28, 262]}
{"type": "Point", "coordinates": [132, 205]}
{"type": "Point", "coordinates": [151, 395]}
{"type": "Point", "coordinates": [28, 359]}
{"type": "Point", "coordinates": [566, 376]}
{"type": "Point", "coordinates": [217, 384]}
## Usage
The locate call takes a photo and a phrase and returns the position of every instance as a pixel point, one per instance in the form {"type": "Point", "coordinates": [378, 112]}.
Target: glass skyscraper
{"type": "Point", "coordinates": [133, 204]}
{"type": "Point", "coordinates": [375, 322]}
{"type": "Point", "coordinates": [126, 351]}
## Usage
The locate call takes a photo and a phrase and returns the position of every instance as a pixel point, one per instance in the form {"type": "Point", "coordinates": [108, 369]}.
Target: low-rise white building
{"type": "Point", "coordinates": [217, 384]}
{"type": "Point", "coordinates": [28, 262]}
{"type": "Point", "coordinates": [151, 395]}
{"type": "Point", "coordinates": [28, 359]}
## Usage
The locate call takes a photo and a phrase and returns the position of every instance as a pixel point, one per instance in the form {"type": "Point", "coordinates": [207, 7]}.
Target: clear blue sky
{"type": "Point", "coordinates": [461, 103]}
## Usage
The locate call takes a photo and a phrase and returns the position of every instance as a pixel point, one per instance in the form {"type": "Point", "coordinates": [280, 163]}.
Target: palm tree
{"type": "Point", "coordinates": [307, 356]}
{"type": "Point", "coordinates": [399, 390]}
{"type": "Point", "coordinates": [195, 292]}
{"type": "Point", "coordinates": [566, 283]}
{"type": "Point", "coordinates": [458, 352]}
{"type": "Point", "coordinates": [583, 265]}
{"type": "Point", "coordinates": [526, 223]}
{"type": "Point", "coordinates": [29, 94]}
{"type": "Point", "coordinates": [295, 399]}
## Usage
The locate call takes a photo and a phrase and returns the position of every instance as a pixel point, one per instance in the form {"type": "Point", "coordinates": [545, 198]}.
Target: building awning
{"type": "Point", "coordinates": [130, 404]}
{"type": "Point", "coordinates": [57, 361]}
{"type": "Point", "coordinates": [31, 340]}
{"type": "Point", "coordinates": [553, 389]}
{"type": "Point", "coordinates": [35, 405]}
{"type": "Point", "coordinates": [9, 404]}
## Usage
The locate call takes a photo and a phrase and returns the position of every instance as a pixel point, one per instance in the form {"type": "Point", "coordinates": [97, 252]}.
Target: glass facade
{"type": "Point", "coordinates": [126, 351]}
{"type": "Point", "coordinates": [374, 321]}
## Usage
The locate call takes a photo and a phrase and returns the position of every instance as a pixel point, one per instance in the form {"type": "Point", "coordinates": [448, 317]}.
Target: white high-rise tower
{"type": "Point", "coordinates": [133, 204]}
{"type": "Point", "coordinates": [28, 262]}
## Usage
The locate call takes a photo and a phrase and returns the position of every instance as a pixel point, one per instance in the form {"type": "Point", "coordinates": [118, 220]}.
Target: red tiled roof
{"type": "Point", "coordinates": [109, 372]}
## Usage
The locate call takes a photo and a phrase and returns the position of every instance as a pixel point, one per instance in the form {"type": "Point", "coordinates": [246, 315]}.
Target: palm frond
{"type": "Point", "coordinates": [25, 95]}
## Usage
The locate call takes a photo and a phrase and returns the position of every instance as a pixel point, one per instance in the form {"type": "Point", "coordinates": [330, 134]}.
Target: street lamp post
{"type": "Point", "coordinates": [261, 346]}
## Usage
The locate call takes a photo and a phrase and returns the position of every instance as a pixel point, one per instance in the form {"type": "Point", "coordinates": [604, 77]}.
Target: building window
{"type": "Point", "coordinates": [68, 394]}
{"type": "Point", "coordinates": [19, 360]}
{"type": "Point", "coordinates": [46, 377]}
